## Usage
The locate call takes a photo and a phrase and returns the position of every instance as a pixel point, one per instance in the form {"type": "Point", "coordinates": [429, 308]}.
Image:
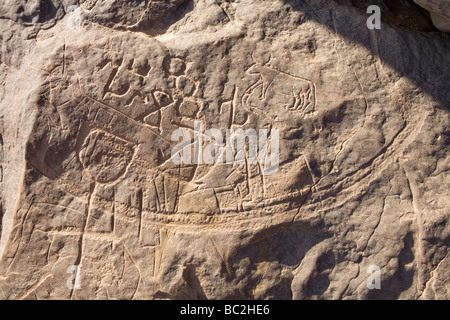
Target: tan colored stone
{"type": "Point", "coordinates": [87, 177]}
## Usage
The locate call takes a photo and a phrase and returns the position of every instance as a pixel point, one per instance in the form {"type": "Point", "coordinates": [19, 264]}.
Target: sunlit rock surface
{"type": "Point", "coordinates": [90, 96]}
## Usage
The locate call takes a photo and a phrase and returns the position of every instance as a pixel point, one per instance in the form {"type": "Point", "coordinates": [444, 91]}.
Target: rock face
{"type": "Point", "coordinates": [94, 207]}
{"type": "Point", "coordinates": [440, 12]}
{"type": "Point", "coordinates": [438, 7]}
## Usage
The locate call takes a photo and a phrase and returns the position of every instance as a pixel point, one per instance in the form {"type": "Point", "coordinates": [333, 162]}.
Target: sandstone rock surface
{"type": "Point", "coordinates": [92, 91]}
{"type": "Point", "coordinates": [440, 12]}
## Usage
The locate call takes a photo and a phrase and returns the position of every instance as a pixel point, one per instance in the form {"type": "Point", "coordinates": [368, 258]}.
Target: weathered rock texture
{"type": "Point", "coordinates": [440, 12]}
{"type": "Point", "coordinates": [90, 96]}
